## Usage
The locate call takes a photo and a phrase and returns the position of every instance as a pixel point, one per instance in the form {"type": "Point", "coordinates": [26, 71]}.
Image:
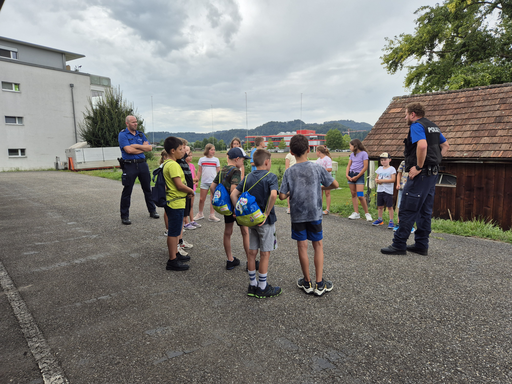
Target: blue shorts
{"type": "Point", "coordinates": [310, 230]}
{"type": "Point", "coordinates": [174, 220]}
{"type": "Point", "coordinates": [358, 181]}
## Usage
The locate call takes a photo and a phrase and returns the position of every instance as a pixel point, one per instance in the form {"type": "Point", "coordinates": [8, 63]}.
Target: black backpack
{"type": "Point", "coordinates": [158, 192]}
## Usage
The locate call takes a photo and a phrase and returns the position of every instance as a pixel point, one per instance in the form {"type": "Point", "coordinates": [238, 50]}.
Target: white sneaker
{"type": "Point", "coordinates": [368, 217]}
{"type": "Point", "coordinates": [354, 216]}
{"type": "Point", "coordinates": [198, 217]}
{"type": "Point", "coordinates": [213, 218]}
{"type": "Point", "coordinates": [181, 251]}
{"type": "Point", "coordinates": [184, 244]}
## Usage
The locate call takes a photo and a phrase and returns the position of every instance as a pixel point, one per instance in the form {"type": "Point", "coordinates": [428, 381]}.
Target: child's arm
{"type": "Point", "coordinates": [284, 196]}
{"type": "Point", "coordinates": [365, 168]}
{"type": "Point", "coordinates": [182, 187]}
{"type": "Point", "coordinates": [348, 170]}
{"type": "Point", "coordinates": [235, 194]}
{"type": "Point", "coordinates": [212, 189]}
{"type": "Point", "coordinates": [398, 178]}
{"type": "Point", "coordinates": [199, 172]}
{"type": "Point", "coordinates": [390, 180]}
{"type": "Point", "coordinates": [334, 185]}
{"type": "Point", "coordinates": [271, 201]}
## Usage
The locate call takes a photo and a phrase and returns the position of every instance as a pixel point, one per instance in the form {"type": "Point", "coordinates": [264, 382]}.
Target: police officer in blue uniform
{"type": "Point", "coordinates": [133, 144]}
{"type": "Point", "coordinates": [424, 148]}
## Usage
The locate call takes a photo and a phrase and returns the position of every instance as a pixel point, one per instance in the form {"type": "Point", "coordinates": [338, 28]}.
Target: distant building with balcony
{"type": "Point", "coordinates": [314, 139]}
{"type": "Point", "coordinates": [42, 102]}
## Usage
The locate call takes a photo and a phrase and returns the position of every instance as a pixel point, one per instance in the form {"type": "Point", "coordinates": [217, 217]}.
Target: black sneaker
{"type": "Point", "coordinates": [257, 266]}
{"type": "Point", "coordinates": [418, 250]}
{"type": "Point", "coordinates": [269, 291]}
{"type": "Point", "coordinates": [154, 215]}
{"type": "Point", "coordinates": [232, 264]}
{"type": "Point", "coordinates": [251, 291]}
{"type": "Point", "coordinates": [324, 286]}
{"type": "Point", "coordinates": [181, 257]}
{"type": "Point", "coordinates": [176, 265]}
{"type": "Point", "coordinates": [305, 285]}
{"type": "Point", "coordinates": [126, 220]}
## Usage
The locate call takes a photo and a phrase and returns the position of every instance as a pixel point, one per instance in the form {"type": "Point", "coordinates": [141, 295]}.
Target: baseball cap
{"type": "Point", "coordinates": [385, 155]}
{"type": "Point", "coordinates": [233, 153]}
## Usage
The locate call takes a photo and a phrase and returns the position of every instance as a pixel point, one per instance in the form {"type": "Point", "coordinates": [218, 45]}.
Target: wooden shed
{"type": "Point", "coordinates": [477, 171]}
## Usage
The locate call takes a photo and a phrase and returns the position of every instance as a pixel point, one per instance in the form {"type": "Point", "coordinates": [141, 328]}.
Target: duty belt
{"type": "Point", "coordinates": [135, 161]}
{"type": "Point", "coordinates": [430, 170]}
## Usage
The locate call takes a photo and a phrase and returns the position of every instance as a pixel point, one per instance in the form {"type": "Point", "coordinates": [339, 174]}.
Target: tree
{"type": "Point", "coordinates": [346, 142]}
{"type": "Point", "coordinates": [282, 144]}
{"type": "Point", "coordinates": [270, 145]}
{"type": "Point", "coordinates": [198, 144]}
{"type": "Point", "coordinates": [221, 146]}
{"type": "Point", "coordinates": [104, 120]}
{"type": "Point", "coordinates": [458, 44]}
{"type": "Point", "coordinates": [334, 139]}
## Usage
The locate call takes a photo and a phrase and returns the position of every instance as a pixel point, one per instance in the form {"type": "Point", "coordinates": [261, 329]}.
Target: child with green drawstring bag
{"type": "Point", "coordinates": [254, 200]}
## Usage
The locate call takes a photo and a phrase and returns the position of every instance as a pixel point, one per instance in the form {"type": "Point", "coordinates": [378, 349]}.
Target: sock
{"type": "Point", "coordinates": [252, 278]}
{"type": "Point", "coordinates": [380, 218]}
{"type": "Point", "coordinates": [262, 283]}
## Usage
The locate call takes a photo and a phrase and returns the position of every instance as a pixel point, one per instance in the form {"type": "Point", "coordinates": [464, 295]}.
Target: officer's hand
{"type": "Point", "coordinates": [413, 172]}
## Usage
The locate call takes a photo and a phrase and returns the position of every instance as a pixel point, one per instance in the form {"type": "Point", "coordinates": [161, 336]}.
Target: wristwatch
{"type": "Point", "coordinates": [418, 168]}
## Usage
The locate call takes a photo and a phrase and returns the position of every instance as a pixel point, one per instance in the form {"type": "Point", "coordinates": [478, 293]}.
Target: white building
{"type": "Point", "coordinates": [41, 103]}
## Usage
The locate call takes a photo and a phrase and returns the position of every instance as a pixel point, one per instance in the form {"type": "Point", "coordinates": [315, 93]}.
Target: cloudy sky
{"type": "Point", "coordinates": [188, 65]}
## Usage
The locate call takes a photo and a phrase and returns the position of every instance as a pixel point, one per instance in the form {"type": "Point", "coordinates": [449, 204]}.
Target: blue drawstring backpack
{"type": "Point", "coordinates": [247, 211]}
{"type": "Point", "coordinates": [221, 201]}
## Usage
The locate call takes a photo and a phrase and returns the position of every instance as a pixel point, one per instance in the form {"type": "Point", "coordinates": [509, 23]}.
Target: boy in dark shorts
{"type": "Point", "coordinates": [263, 186]}
{"type": "Point", "coordinates": [176, 193]}
{"type": "Point", "coordinates": [230, 177]}
{"type": "Point", "coordinates": [385, 180]}
{"type": "Point", "coordinates": [304, 183]}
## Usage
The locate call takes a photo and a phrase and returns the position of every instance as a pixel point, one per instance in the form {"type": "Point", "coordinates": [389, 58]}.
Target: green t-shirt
{"type": "Point", "coordinates": [176, 198]}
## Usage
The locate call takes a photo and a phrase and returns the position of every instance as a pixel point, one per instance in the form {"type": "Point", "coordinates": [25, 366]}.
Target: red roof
{"type": "Point", "coordinates": [477, 122]}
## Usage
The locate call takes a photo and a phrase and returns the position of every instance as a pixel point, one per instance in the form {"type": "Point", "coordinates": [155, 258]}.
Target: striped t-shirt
{"type": "Point", "coordinates": [208, 168]}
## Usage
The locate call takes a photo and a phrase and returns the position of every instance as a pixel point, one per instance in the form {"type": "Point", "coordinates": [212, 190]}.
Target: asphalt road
{"type": "Point", "coordinates": [88, 300]}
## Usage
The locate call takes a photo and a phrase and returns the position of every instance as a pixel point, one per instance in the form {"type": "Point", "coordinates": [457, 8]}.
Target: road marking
{"type": "Point", "coordinates": [48, 365]}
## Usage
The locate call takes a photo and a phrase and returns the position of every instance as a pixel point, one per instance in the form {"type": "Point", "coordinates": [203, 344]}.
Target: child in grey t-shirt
{"type": "Point", "coordinates": [304, 183]}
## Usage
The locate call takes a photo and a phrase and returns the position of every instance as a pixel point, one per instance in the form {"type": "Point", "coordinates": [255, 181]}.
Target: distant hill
{"type": "Point", "coordinates": [357, 130]}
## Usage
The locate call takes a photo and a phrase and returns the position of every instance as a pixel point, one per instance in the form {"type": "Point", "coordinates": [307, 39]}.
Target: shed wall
{"type": "Point", "coordinates": [482, 191]}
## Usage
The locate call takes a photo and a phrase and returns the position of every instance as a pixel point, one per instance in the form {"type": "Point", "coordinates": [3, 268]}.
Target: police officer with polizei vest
{"type": "Point", "coordinates": [133, 144]}
{"type": "Point", "coordinates": [425, 147]}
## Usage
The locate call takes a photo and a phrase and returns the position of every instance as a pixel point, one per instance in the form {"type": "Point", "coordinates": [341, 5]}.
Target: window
{"type": "Point", "coordinates": [6, 86]}
{"type": "Point", "coordinates": [95, 93]}
{"type": "Point", "coordinates": [14, 120]}
{"type": "Point", "coordinates": [446, 180]}
{"type": "Point", "coordinates": [10, 53]}
{"type": "Point", "coordinates": [16, 152]}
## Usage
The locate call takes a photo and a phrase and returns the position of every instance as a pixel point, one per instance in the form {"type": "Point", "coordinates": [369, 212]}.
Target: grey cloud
{"type": "Point", "coordinates": [154, 20]}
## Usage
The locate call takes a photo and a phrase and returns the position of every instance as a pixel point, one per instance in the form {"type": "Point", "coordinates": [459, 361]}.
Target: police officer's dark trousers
{"type": "Point", "coordinates": [416, 207]}
{"type": "Point", "coordinates": [132, 171]}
